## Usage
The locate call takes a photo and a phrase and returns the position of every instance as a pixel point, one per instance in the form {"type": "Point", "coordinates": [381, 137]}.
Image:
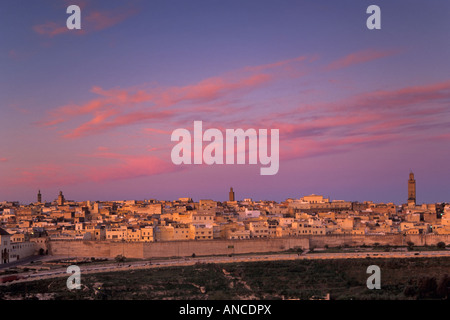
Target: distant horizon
{"type": "Point", "coordinates": [197, 199]}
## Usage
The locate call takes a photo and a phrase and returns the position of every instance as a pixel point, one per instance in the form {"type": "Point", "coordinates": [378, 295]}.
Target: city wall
{"type": "Point", "coordinates": [392, 240]}
{"type": "Point", "coordinates": [79, 248]}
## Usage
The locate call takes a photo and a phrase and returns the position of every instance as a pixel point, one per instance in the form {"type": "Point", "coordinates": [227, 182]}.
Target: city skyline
{"type": "Point", "coordinates": [60, 199]}
{"type": "Point", "coordinates": [90, 112]}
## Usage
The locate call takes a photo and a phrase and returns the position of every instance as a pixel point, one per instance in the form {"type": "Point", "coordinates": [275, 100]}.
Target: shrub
{"type": "Point", "coordinates": [120, 258]}
{"type": "Point", "coordinates": [441, 245]}
{"type": "Point", "coordinates": [410, 245]}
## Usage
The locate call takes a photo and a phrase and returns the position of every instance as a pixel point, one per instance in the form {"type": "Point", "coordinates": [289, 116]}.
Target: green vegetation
{"type": "Point", "coordinates": [407, 278]}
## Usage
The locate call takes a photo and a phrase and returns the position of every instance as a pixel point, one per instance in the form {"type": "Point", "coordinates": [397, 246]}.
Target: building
{"type": "Point", "coordinates": [5, 246]}
{"type": "Point", "coordinates": [39, 197]}
{"type": "Point", "coordinates": [174, 232]}
{"type": "Point", "coordinates": [258, 229]}
{"type": "Point", "coordinates": [147, 234]}
{"type": "Point", "coordinates": [231, 195]}
{"type": "Point", "coordinates": [204, 232]}
{"type": "Point", "coordinates": [411, 190]}
{"type": "Point", "coordinates": [317, 203]}
{"type": "Point", "coordinates": [249, 214]}
{"type": "Point", "coordinates": [60, 199]}
{"type": "Point", "coordinates": [12, 251]}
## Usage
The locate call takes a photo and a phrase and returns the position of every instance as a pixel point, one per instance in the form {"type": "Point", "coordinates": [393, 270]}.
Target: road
{"type": "Point", "coordinates": [113, 267]}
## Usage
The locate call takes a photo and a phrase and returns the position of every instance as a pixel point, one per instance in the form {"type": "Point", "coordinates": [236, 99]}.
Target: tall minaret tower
{"type": "Point", "coordinates": [411, 189]}
{"type": "Point", "coordinates": [60, 199]}
{"type": "Point", "coordinates": [39, 197]}
{"type": "Point", "coordinates": [231, 195]}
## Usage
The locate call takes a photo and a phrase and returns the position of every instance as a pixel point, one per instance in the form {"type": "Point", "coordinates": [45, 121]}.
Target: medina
{"type": "Point", "coordinates": [236, 141]}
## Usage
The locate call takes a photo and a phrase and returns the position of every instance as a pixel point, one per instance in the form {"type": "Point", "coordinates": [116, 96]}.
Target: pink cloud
{"type": "Point", "coordinates": [368, 119]}
{"type": "Point", "coordinates": [311, 147]}
{"type": "Point", "coordinates": [114, 167]}
{"type": "Point", "coordinates": [50, 29]}
{"type": "Point", "coordinates": [444, 137]}
{"type": "Point", "coordinates": [48, 174]}
{"type": "Point", "coordinates": [406, 97]}
{"type": "Point", "coordinates": [278, 64]}
{"type": "Point", "coordinates": [121, 107]}
{"type": "Point", "coordinates": [99, 20]}
{"type": "Point", "coordinates": [126, 106]}
{"type": "Point", "coordinates": [359, 57]}
{"type": "Point", "coordinates": [159, 131]}
{"type": "Point", "coordinates": [129, 167]}
{"type": "Point", "coordinates": [94, 20]}
{"type": "Point", "coordinates": [104, 121]}
{"type": "Point", "coordinates": [4, 159]}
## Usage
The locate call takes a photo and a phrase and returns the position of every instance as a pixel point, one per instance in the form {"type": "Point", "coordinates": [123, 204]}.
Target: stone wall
{"type": "Point", "coordinates": [392, 240]}
{"type": "Point", "coordinates": [141, 250]}
{"type": "Point", "coordinates": [79, 248]}
{"type": "Point", "coordinates": [103, 249]}
{"type": "Point", "coordinates": [221, 247]}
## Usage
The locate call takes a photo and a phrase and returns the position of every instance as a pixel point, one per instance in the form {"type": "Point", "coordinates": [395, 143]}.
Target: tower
{"type": "Point", "coordinates": [60, 199]}
{"type": "Point", "coordinates": [39, 197]}
{"type": "Point", "coordinates": [231, 195]}
{"type": "Point", "coordinates": [411, 189]}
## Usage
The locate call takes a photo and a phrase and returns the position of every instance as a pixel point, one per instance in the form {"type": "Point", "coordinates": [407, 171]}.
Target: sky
{"type": "Point", "coordinates": [91, 111]}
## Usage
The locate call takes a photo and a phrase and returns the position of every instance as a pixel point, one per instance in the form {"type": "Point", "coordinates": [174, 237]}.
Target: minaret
{"type": "Point", "coordinates": [39, 197]}
{"type": "Point", "coordinates": [411, 189]}
{"type": "Point", "coordinates": [231, 195]}
{"type": "Point", "coordinates": [60, 199]}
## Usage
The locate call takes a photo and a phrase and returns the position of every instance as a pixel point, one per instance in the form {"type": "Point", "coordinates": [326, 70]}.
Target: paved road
{"type": "Point", "coordinates": [92, 268]}
{"type": "Point", "coordinates": [27, 260]}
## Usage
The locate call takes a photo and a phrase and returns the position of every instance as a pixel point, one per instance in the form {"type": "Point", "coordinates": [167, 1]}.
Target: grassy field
{"type": "Point", "coordinates": [413, 278]}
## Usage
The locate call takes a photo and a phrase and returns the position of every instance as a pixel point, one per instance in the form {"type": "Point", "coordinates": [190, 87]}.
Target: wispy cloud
{"type": "Point", "coordinates": [91, 21]}
{"type": "Point", "coordinates": [367, 119]}
{"type": "Point", "coordinates": [114, 167]}
{"type": "Point", "coordinates": [120, 107]}
{"type": "Point", "coordinates": [359, 57]}
{"type": "Point", "coordinates": [130, 167]}
{"type": "Point", "coordinates": [362, 120]}
{"type": "Point", "coordinates": [51, 29]}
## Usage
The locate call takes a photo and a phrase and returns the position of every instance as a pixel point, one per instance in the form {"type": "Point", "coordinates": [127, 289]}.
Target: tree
{"type": "Point", "coordinates": [441, 245]}
{"type": "Point", "coordinates": [410, 245]}
{"type": "Point", "coordinates": [120, 258]}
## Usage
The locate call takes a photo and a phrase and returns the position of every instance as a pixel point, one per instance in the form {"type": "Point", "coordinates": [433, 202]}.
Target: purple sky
{"type": "Point", "coordinates": [90, 112]}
